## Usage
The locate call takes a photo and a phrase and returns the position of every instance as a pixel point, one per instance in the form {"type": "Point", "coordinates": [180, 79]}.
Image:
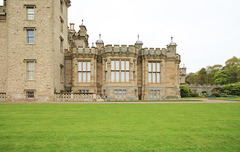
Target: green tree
{"type": "Point", "coordinates": [191, 78]}
{"type": "Point", "coordinates": [211, 71]}
{"type": "Point", "coordinates": [222, 77]}
{"type": "Point", "coordinates": [233, 89]}
{"type": "Point", "coordinates": [233, 66]}
{"type": "Point", "coordinates": [202, 77]}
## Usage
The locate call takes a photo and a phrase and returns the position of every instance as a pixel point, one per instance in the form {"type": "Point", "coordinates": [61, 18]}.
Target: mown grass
{"type": "Point", "coordinates": [167, 100]}
{"type": "Point", "coordinates": [226, 98]}
{"type": "Point", "coordinates": [207, 127]}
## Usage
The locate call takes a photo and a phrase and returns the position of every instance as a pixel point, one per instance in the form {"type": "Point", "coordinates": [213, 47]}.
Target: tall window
{"type": "Point", "coordinates": [30, 70]}
{"type": "Point", "coordinates": [154, 72]}
{"type": "Point", "coordinates": [30, 13]}
{"type": "Point", "coordinates": [61, 5]}
{"type": "Point", "coordinates": [61, 24]}
{"type": "Point", "coordinates": [61, 73]}
{"type": "Point", "coordinates": [61, 44]}
{"type": "Point", "coordinates": [30, 36]}
{"type": "Point", "coordinates": [106, 68]}
{"type": "Point", "coordinates": [119, 71]}
{"type": "Point", "coordinates": [134, 71]}
{"type": "Point", "coordinates": [84, 71]}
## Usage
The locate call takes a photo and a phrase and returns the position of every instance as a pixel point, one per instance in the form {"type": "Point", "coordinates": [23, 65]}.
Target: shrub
{"type": "Point", "coordinates": [233, 89]}
{"type": "Point", "coordinates": [194, 94]}
{"type": "Point", "coordinates": [184, 91]}
{"type": "Point", "coordinates": [223, 94]}
{"type": "Point", "coordinates": [216, 94]}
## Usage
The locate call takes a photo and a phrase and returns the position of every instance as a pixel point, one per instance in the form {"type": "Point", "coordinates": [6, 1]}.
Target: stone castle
{"type": "Point", "coordinates": [41, 57]}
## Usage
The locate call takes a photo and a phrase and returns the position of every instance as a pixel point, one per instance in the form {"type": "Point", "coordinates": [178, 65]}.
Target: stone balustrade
{"type": "Point", "coordinates": [77, 97]}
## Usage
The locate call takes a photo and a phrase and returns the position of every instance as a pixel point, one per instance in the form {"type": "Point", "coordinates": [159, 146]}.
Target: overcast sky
{"type": "Point", "coordinates": [207, 32]}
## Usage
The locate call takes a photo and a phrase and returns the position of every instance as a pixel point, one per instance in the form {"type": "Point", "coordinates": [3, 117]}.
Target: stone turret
{"type": "Point", "coordinates": [139, 43]}
{"type": "Point", "coordinates": [81, 38]}
{"type": "Point", "coordinates": [171, 48]}
{"type": "Point", "coordinates": [183, 73]}
{"type": "Point", "coordinates": [99, 42]}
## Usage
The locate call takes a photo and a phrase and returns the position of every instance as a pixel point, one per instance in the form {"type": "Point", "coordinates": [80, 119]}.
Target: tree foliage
{"type": "Point", "coordinates": [217, 74]}
{"type": "Point", "coordinates": [221, 77]}
{"type": "Point", "coordinates": [184, 91]}
{"type": "Point", "coordinates": [233, 89]}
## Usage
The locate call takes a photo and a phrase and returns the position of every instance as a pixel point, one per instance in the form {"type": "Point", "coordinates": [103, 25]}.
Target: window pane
{"type": "Point", "coordinates": [149, 66]}
{"type": "Point", "coordinates": [127, 76]}
{"type": "Point", "coordinates": [31, 40]}
{"type": "Point", "coordinates": [154, 78]}
{"type": "Point", "coordinates": [30, 13]}
{"type": "Point", "coordinates": [88, 76]}
{"type": "Point", "coordinates": [79, 76]}
{"type": "Point", "coordinates": [158, 77]}
{"type": "Point", "coordinates": [112, 65]}
{"type": "Point", "coordinates": [30, 33]}
{"type": "Point", "coordinates": [30, 75]}
{"type": "Point", "coordinates": [106, 76]}
{"type": "Point", "coordinates": [84, 77]}
{"type": "Point", "coordinates": [154, 67]}
{"type": "Point", "coordinates": [158, 67]}
{"type": "Point", "coordinates": [149, 77]}
{"type": "Point", "coordinates": [122, 65]}
{"type": "Point", "coordinates": [127, 65]}
{"type": "Point", "coordinates": [117, 65]}
{"type": "Point", "coordinates": [133, 75]}
{"type": "Point", "coordinates": [122, 76]}
{"type": "Point", "coordinates": [88, 66]}
{"type": "Point", "coordinates": [84, 66]}
{"type": "Point", "coordinates": [117, 76]}
{"type": "Point", "coordinates": [30, 68]}
{"type": "Point", "coordinates": [30, 17]}
{"type": "Point", "coordinates": [30, 10]}
{"type": "Point", "coordinates": [30, 36]}
{"type": "Point", "coordinates": [112, 76]}
{"type": "Point", "coordinates": [79, 66]}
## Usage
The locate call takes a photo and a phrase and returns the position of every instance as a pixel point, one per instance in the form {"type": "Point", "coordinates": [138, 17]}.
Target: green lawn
{"type": "Point", "coordinates": [175, 127]}
{"type": "Point", "coordinates": [226, 98]}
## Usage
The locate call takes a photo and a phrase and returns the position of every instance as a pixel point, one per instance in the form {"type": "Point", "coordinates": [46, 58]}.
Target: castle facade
{"type": "Point", "coordinates": [41, 57]}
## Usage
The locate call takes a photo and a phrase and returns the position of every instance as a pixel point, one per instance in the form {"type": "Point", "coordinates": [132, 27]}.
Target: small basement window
{"type": "Point", "coordinates": [30, 94]}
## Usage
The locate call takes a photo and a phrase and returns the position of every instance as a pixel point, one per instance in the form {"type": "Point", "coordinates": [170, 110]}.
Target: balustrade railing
{"type": "Point", "coordinates": [77, 97]}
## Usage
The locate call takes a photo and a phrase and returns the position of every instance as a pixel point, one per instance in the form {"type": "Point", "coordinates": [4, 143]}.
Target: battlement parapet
{"type": "Point", "coordinates": [90, 51]}
{"type": "Point", "coordinates": [118, 48]}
